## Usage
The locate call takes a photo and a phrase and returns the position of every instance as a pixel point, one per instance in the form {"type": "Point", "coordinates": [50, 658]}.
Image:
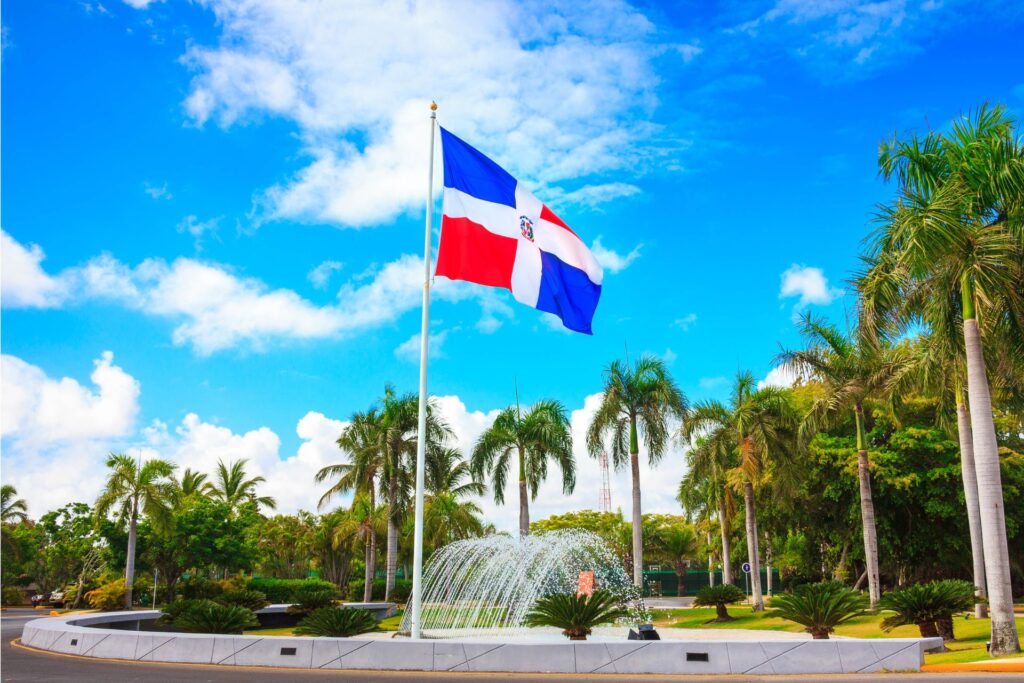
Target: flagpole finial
{"type": "Point", "coordinates": [433, 106]}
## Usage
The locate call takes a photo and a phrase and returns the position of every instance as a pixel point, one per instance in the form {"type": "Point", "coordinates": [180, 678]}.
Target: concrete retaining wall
{"type": "Point", "coordinates": [74, 635]}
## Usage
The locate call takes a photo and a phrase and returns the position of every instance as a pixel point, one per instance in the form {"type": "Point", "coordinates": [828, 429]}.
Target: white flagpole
{"type": "Point", "coordinates": [421, 436]}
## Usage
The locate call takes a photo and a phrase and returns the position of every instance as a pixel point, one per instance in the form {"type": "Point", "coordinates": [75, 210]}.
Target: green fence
{"type": "Point", "coordinates": [666, 583]}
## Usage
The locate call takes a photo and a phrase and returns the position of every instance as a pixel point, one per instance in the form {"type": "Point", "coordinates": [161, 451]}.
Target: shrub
{"type": "Point", "coordinates": [175, 609]}
{"type": "Point", "coordinates": [198, 588]}
{"type": "Point", "coordinates": [12, 595]}
{"type": "Point", "coordinates": [336, 622]}
{"type": "Point", "coordinates": [282, 590]}
{"type": "Point", "coordinates": [576, 615]}
{"type": "Point", "coordinates": [210, 617]}
{"type": "Point", "coordinates": [401, 592]}
{"type": "Point", "coordinates": [719, 596]}
{"type": "Point", "coordinates": [253, 600]}
{"type": "Point", "coordinates": [927, 604]}
{"type": "Point", "coordinates": [108, 597]}
{"type": "Point", "coordinates": [312, 597]}
{"type": "Point", "coordinates": [820, 607]}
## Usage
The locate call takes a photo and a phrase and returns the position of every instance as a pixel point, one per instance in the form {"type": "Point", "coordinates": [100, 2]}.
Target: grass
{"type": "Point", "coordinates": [972, 634]}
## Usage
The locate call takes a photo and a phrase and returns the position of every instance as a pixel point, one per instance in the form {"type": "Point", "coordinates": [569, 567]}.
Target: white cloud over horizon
{"type": "Point", "coordinates": [555, 92]}
{"type": "Point", "coordinates": [809, 285]}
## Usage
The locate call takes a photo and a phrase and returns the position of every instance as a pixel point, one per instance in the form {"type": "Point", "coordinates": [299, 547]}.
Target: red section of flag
{"type": "Point", "coordinates": [548, 215]}
{"type": "Point", "coordinates": [468, 251]}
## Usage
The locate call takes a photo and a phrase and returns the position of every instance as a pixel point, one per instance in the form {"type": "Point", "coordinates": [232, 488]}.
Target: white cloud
{"type": "Point", "coordinates": [321, 275]}
{"type": "Point", "coordinates": [409, 350]}
{"type": "Point", "coordinates": [669, 356]}
{"type": "Point", "coordinates": [197, 228]}
{"type": "Point", "coordinates": [778, 377]}
{"type": "Point", "coordinates": [592, 196]}
{"type": "Point", "coordinates": [141, 4]}
{"type": "Point", "coordinates": [809, 284]}
{"type": "Point", "coordinates": [611, 260]}
{"type": "Point", "coordinates": [711, 383]}
{"type": "Point", "coordinates": [155, 192]}
{"type": "Point", "coordinates": [686, 322]}
{"type": "Point", "coordinates": [23, 281]}
{"type": "Point", "coordinates": [553, 92]}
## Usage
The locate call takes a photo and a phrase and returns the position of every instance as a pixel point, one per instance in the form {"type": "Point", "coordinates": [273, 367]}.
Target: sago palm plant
{"type": "Point", "coordinates": [719, 597]}
{"type": "Point", "coordinates": [820, 607]}
{"type": "Point", "coordinates": [336, 622]}
{"type": "Point", "coordinates": [576, 615]}
{"type": "Point", "coordinates": [210, 617]}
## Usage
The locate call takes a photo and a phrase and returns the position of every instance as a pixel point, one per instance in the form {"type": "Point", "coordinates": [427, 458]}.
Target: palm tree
{"type": "Point", "coordinates": [532, 439]}
{"type": "Point", "coordinates": [849, 370]}
{"type": "Point", "coordinates": [364, 520]}
{"type": "Point", "coordinates": [361, 440]}
{"type": "Point", "coordinates": [638, 403]}
{"type": "Point", "coordinates": [759, 422]}
{"type": "Point", "coordinates": [677, 543]}
{"type": "Point", "coordinates": [12, 510]}
{"type": "Point", "coordinates": [447, 471]}
{"type": "Point", "coordinates": [135, 487]}
{"type": "Point", "coordinates": [706, 483]}
{"type": "Point", "coordinates": [233, 488]}
{"type": "Point", "coordinates": [194, 483]}
{"type": "Point", "coordinates": [954, 238]}
{"type": "Point", "coordinates": [447, 517]}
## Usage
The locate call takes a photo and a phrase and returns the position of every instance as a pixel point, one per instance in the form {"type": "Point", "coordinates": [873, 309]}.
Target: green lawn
{"type": "Point", "coordinates": [969, 647]}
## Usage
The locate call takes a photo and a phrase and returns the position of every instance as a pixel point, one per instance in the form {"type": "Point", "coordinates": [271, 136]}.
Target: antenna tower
{"type": "Point", "coordinates": [604, 503]}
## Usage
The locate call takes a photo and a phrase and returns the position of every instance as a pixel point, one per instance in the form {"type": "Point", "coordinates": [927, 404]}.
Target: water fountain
{"type": "Point", "coordinates": [484, 587]}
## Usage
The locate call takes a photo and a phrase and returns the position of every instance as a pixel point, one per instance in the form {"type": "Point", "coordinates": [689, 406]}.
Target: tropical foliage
{"type": "Point", "coordinates": [820, 607]}
{"type": "Point", "coordinates": [719, 597]}
{"type": "Point", "coordinates": [576, 615]}
{"type": "Point", "coordinates": [336, 622]}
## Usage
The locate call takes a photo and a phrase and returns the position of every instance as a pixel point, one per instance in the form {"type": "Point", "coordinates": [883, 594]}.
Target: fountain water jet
{"type": "Point", "coordinates": [485, 586]}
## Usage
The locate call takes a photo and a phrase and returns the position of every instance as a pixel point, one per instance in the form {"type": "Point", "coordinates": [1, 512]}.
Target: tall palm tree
{"type": "Point", "coordinates": [132, 488]}
{"type": "Point", "coordinates": [447, 515]}
{"type": "Point", "coordinates": [532, 438]}
{"type": "Point", "coordinates": [12, 509]}
{"type": "Point", "coordinates": [364, 520]}
{"type": "Point", "coordinates": [232, 486]}
{"type": "Point", "coordinates": [678, 544]}
{"type": "Point", "coordinates": [361, 441]}
{"type": "Point", "coordinates": [849, 370]}
{"type": "Point", "coordinates": [192, 483]}
{"type": "Point", "coordinates": [447, 471]}
{"type": "Point", "coordinates": [706, 484]}
{"type": "Point", "coordinates": [760, 423]}
{"type": "Point", "coordinates": [399, 427]}
{"type": "Point", "coordinates": [954, 239]}
{"type": "Point", "coordinates": [639, 402]}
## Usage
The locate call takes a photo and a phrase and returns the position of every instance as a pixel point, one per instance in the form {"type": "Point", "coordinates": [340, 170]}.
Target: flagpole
{"type": "Point", "coordinates": [421, 432]}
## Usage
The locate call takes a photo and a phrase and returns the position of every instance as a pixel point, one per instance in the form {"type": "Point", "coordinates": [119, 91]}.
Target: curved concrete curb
{"type": "Point", "coordinates": [82, 635]}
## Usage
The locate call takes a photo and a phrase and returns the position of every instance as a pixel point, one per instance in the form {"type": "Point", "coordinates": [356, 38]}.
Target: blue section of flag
{"type": "Point", "coordinates": [567, 292]}
{"type": "Point", "coordinates": [466, 169]}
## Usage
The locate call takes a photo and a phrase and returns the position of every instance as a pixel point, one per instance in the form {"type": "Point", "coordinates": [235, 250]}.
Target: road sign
{"type": "Point", "coordinates": [746, 567]}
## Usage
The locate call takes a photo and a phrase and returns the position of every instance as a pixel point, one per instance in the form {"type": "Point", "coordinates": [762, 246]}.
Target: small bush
{"type": "Point", "coordinates": [253, 600]}
{"type": "Point", "coordinates": [280, 591]}
{"type": "Point", "coordinates": [108, 597]}
{"type": "Point", "coordinates": [401, 592]}
{"type": "Point", "coordinates": [820, 607]}
{"type": "Point", "coordinates": [576, 615]}
{"type": "Point", "coordinates": [336, 622]}
{"type": "Point", "coordinates": [12, 595]}
{"type": "Point", "coordinates": [175, 609]}
{"type": "Point", "coordinates": [306, 599]}
{"type": "Point", "coordinates": [197, 588]}
{"type": "Point", "coordinates": [210, 617]}
{"type": "Point", "coordinates": [719, 596]}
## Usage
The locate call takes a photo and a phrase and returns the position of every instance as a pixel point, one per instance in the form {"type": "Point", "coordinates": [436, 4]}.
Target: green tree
{"type": "Point", "coordinates": [234, 488]}
{"type": "Point", "coordinates": [676, 542]}
{"type": "Point", "coordinates": [12, 511]}
{"type": "Point", "coordinates": [194, 483]}
{"type": "Point", "coordinates": [284, 546]}
{"type": "Point", "coordinates": [849, 370]}
{"type": "Point", "coordinates": [447, 516]}
{"type": "Point", "coordinates": [638, 403]}
{"type": "Point", "coordinates": [529, 441]}
{"type": "Point", "coordinates": [705, 486]}
{"type": "Point", "coordinates": [331, 543]}
{"type": "Point", "coordinates": [955, 235]}
{"type": "Point", "coordinates": [760, 422]}
{"type": "Point", "coordinates": [135, 488]}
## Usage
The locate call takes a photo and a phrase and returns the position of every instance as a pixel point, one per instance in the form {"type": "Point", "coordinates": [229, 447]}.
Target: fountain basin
{"type": "Point", "coordinates": [92, 635]}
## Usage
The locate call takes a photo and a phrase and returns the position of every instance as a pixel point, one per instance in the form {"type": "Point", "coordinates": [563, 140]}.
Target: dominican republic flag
{"type": "Point", "coordinates": [495, 233]}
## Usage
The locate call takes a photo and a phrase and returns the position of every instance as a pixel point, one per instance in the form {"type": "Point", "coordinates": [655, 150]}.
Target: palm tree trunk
{"type": "Point", "coordinates": [768, 566]}
{"type": "Point", "coordinates": [638, 533]}
{"type": "Point", "coordinates": [970, 478]}
{"type": "Point", "coordinates": [392, 559]}
{"type": "Point", "coordinates": [711, 563]}
{"type": "Point", "coordinates": [129, 567]}
{"type": "Point", "coordinates": [726, 543]}
{"type": "Point", "coordinates": [368, 554]}
{"type": "Point", "coordinates": [867, 509]}
{"type": "Point", "coordinates": [755, 565]}
{"type": "Point", "coordinates": [990, 489]}
{"type": "Point", "coordinates": [524, 498]}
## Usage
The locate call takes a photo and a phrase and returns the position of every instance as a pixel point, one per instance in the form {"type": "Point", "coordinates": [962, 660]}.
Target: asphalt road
{"type": "Point", "coordinates": [18, 664]}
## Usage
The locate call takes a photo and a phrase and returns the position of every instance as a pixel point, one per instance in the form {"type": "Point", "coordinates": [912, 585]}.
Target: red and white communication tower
{"type": "Point", "coordinates": [604, 503]}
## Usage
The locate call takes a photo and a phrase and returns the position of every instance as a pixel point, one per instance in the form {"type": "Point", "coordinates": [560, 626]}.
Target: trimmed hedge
{"type": "Point", "coordinates": [401, 593]}
{"type": "Point", "coordinates": [280, 591]}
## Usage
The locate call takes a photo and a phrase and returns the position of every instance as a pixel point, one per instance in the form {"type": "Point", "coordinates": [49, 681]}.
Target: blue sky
{"type": "Point", "coordinates": [228, 197]}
